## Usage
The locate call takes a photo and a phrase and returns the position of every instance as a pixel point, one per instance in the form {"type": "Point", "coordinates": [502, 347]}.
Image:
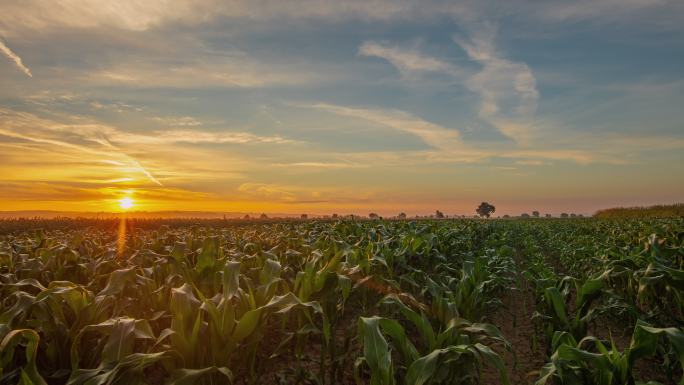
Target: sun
{"type": "Point", "coordinates": [126, 203]}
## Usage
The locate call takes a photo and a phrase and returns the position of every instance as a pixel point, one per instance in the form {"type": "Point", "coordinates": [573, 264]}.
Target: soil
{"type": "Point", "coordinates": [514, 320]}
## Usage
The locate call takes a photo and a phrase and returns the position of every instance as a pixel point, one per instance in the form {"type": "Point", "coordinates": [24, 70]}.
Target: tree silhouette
{"type": "Point", "coordinates": [439, 214]}
{"type": "Point", "coordinates": [485, 209]}
{"type": "Point", "coordinates": [373, 216]}
{"type": "Point", "coordinates": [401, 216]}
{"type": "Point", "coordinates": [535, 214]}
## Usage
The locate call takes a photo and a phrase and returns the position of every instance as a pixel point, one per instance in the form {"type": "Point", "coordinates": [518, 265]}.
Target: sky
{"type": "Point", "coordinates": [328, 106]}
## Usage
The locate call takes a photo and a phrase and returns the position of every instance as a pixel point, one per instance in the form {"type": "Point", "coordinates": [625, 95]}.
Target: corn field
{"type": "Point", "coordinates": [581, 301]}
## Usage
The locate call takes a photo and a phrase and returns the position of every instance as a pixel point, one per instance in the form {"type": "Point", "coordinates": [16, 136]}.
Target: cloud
{"type": "Point", "coordinates": [431, 134]}
{"type": "Point", "coordinates": [292, 194]}
{"type": "Point", "coordinates": [78, 134]}
{"type": "Point", "coordinates": [266, 191]}
{"type": "Point", "coordinates": [407, 61]}
{"type": "Point", "coordinates": [446, 145]}
{"type": "Point", "coordinates": [184, 121]}
{"type": "Point", "coordinates": [507, 89]}
{"type": "Point", "coordinates": [193, 137]}
{"type": "Point", "coordinates": [320, 165]}
{"type": "Point", "coordinates": [139, 16]}
{"type": "Point", "coordinates": [87, 192]}
{"type": "Point", "coordinates": [17, 16]}
{"type": "Point", "coordinates": [154, 156]}
{"type": "Point", "coordinates": [14, 57]}
{"type": "Point", "coordinates": [57, 144]}
{"type": "Point", "coordinates": [597, 9]}
{"type": "Point", "coordinates": [237, 71]}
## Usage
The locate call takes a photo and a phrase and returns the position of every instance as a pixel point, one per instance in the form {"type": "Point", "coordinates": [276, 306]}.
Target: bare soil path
{"type": "Point", "coordinates": [514, 319]}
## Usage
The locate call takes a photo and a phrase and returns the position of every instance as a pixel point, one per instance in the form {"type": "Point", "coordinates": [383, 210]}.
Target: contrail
{"type": "Point", "coordinates": [105, 142]}
{"type": "Point", "coordinates": [17, 60]}
{"type": "Point", "coordinates": [144, 171]}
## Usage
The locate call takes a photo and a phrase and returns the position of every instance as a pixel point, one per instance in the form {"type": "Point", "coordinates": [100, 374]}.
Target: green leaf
{"type": "Point", "coordinates": [591, 289]}
{"type": "Point", "coordinates": [645, 341]}
{"type": "Point", "coordinates": [376, 351]}
{"type": "Point", "coordinates": [118, 280]}
{"type": "Point", "coordinates": [29, 373]}
{"type": "Point", "coordinates": [231, 279]}
{"type": "Point", "coordinates": [556, 300]}
{"type": "Point", "coordinates": [422, 369]}
{"type": "Point", "coordinates": [398, 335]}
{"type": "Point", "coordinates": [209, 254]}
{"type": "Point", "coordinates": [178, 251]}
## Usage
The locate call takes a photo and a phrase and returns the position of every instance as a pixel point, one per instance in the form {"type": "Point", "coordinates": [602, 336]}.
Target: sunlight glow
{"type": "Point", "coordinates": [126, 203]}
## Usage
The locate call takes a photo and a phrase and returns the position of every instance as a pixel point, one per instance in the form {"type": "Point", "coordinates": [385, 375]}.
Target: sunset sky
{"type": "Point", "coordinates": [324, 106]}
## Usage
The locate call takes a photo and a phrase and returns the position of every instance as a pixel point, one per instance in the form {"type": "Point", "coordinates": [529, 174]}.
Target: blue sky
{"type": "Point", "coordinates": [349, 106]}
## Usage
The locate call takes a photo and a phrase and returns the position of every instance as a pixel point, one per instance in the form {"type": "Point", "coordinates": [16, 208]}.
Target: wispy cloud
{"type": "Point", "coordinates": [597, 9]}
{"type": "Point", "coordinates": [194, 137]}
{"type": "Point", "coordinates": [321, 165]}
{"type": "Point", "coordinates": [206, 70]}
{"type": "Point", "coordinates": [30, 128]}
{"type": "Point", "coordinates": [120, 153]}
{"type": "Point", "coordinates": [407, 61]}
{"type": "Point", "coordinates": [446, 145]}
{"type": "Point", "coordinates": [14, 57]}
{"type": "Point", "coordinates": [507, 89]}
{"type": "Point", "coordinates": [183, 121]}
{"type": "Point", "coordinates": [140, 16]}
{"type": "Point", "coordinates": [431, 134]}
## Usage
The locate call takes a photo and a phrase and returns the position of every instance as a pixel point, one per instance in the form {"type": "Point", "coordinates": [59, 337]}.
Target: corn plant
{"type": "Point", "coordinates": [452, 354]}
{"type": "Point", "coordinates": [590, 361]}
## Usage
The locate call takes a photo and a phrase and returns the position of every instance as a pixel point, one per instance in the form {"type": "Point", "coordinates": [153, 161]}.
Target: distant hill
{"type": "Point", "coordinates": [657, 211]}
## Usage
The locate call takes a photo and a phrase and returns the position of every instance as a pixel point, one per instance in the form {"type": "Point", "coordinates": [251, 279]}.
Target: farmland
{"type": "Point", "coordinates": [544, 301]}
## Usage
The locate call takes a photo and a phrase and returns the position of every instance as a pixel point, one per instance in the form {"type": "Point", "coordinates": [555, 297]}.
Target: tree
{"type": "Point", "coordinates": [525, 215]}
{"type": "Point", "coordinates": [485, 209]}
{"type": "Point", "coordinates": [506, 216]}
{"type": "Point", "coordinates": [439, 214]}
{"type": "Point", "coordinates": [535, 214]}
{"type": "Point", "coordinates": [548, 215]}
{"type": "Point", "coordinates": [401, 216]}
{"type": "Point", "coordinates": [263, 216]}
{"type": "Point", "coordinates": [334, 216]}
{"type": "Point", "coordinates": [305, 216]}
{"type": "Point", "coordinates": [373, 216]}
{"type": "Point", "coordinates": [564, 215]}
{"type": "Point", "coordinates": [573, 215]}
{"type": "Point", "coordinates": [246, 216]}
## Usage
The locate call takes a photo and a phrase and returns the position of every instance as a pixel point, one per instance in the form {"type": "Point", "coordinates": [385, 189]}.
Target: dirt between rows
{"type": "Point", "coordinates": [514, 319]}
